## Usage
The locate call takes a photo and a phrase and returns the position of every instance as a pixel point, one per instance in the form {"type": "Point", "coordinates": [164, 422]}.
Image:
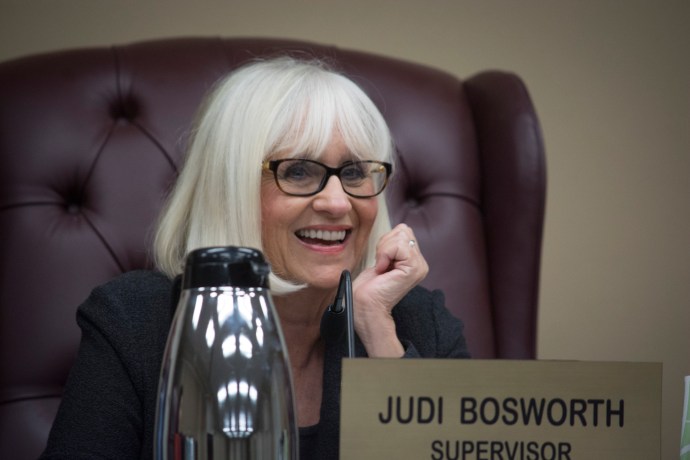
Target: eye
{"type": "Point", "coordinates": [354, 172]}
{"type": "Point", "coordinates": [298, 170]}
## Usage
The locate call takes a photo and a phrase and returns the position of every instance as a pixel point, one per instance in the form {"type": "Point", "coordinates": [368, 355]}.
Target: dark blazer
{"type": "Point", "coordinates": [108, 409]}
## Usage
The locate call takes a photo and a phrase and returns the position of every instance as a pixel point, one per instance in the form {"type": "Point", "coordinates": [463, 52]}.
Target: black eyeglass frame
{"type": "Point", "coordinates": [272, 165]}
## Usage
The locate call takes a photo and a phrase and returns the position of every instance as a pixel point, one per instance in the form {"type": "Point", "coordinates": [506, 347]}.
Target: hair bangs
{"type": "Point", "coordinates": [361, 125]}
{"type": "Point", "coordinates": [324, 104]}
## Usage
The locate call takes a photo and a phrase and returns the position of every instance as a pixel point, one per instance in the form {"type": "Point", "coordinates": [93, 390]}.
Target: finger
{"type": "Point", "coordinates": [398, 247]}
{"type": "Point", "coordinates": [401, 233]}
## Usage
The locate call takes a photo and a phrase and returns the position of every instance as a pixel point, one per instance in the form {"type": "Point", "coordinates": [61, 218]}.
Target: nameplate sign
{"type": "Point", "coordinates": [436, 409]}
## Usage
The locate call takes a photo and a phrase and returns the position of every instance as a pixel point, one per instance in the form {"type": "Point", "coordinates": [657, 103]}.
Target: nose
{"type": "Point", "coordinates": [332, 198]}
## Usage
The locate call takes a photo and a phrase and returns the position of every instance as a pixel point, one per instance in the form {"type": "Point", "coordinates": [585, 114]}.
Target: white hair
{"type": "Point", "coordinates": [280, 104]}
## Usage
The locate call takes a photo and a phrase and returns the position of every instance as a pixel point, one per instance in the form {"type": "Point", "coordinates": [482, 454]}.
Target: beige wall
{"type": "Point", "coordinates": [611, 83]}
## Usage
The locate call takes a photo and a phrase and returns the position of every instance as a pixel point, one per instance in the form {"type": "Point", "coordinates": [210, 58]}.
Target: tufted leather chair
{"type": "Point", "coordinates": [91, 140]}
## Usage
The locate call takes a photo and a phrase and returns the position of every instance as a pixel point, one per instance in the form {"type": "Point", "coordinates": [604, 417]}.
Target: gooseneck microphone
{"type": "Point", "coordinates": [339, 316]}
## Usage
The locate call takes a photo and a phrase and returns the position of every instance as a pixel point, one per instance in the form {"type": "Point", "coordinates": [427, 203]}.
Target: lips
{"type": "Point", "coordinates": [324, 237]}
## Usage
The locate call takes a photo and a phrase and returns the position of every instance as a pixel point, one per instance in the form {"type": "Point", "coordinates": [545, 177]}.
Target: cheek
{"type": "Point", "coordinates": [366, 215]}
{"type": "Point", "coordinates": [368, 212]}
{"type": "Point", "coordinates": [278, 214]}
{"type": "Point", "coordinates": [270, 203]}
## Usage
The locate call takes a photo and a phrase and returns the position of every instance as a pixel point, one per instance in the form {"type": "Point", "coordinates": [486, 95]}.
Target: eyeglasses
{"type": "Point", "coordinates": [300, 177]}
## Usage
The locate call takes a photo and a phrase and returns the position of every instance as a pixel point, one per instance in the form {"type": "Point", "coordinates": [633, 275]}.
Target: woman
{"type": "Point", "coordinates": [291, 158]}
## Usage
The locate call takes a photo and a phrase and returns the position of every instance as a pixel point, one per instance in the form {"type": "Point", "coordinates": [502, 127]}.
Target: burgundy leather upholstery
{"type": "Point", "coordinates": [91, 139]}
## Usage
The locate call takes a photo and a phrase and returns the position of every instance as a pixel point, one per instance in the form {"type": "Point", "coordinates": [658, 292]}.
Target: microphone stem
{"type": "Point", "coordinates": [350, 314]}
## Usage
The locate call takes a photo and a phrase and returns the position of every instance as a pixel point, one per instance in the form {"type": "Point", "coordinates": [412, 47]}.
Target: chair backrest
{"type": "Point", "coordinates": [91, 140]}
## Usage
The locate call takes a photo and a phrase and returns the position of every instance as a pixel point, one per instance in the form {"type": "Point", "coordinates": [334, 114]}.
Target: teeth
{"type": "Point", "coordinates": [322, 235]}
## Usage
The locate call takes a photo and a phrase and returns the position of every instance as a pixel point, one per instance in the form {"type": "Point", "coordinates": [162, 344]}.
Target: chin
{"type": "Point", "coordinates": [324, 281]}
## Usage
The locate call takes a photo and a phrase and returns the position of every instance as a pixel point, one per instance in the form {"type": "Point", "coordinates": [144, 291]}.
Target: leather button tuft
{"type": "Point", "coordinates": [125, 109]}
{"type": "Point", "coordinates": [73, 208]}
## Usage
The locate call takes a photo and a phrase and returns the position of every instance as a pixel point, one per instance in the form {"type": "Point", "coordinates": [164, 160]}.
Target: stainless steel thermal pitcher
{"type": "Point", "coordinates": [225, 387]}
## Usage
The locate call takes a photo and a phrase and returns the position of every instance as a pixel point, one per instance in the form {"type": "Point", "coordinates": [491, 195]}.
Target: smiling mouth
{"type": "Point", "coordinates": [322, 237]}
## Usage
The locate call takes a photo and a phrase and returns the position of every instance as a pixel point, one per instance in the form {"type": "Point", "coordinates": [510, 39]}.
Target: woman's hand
{"type": "Point", "coordinates": [399, 267]}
